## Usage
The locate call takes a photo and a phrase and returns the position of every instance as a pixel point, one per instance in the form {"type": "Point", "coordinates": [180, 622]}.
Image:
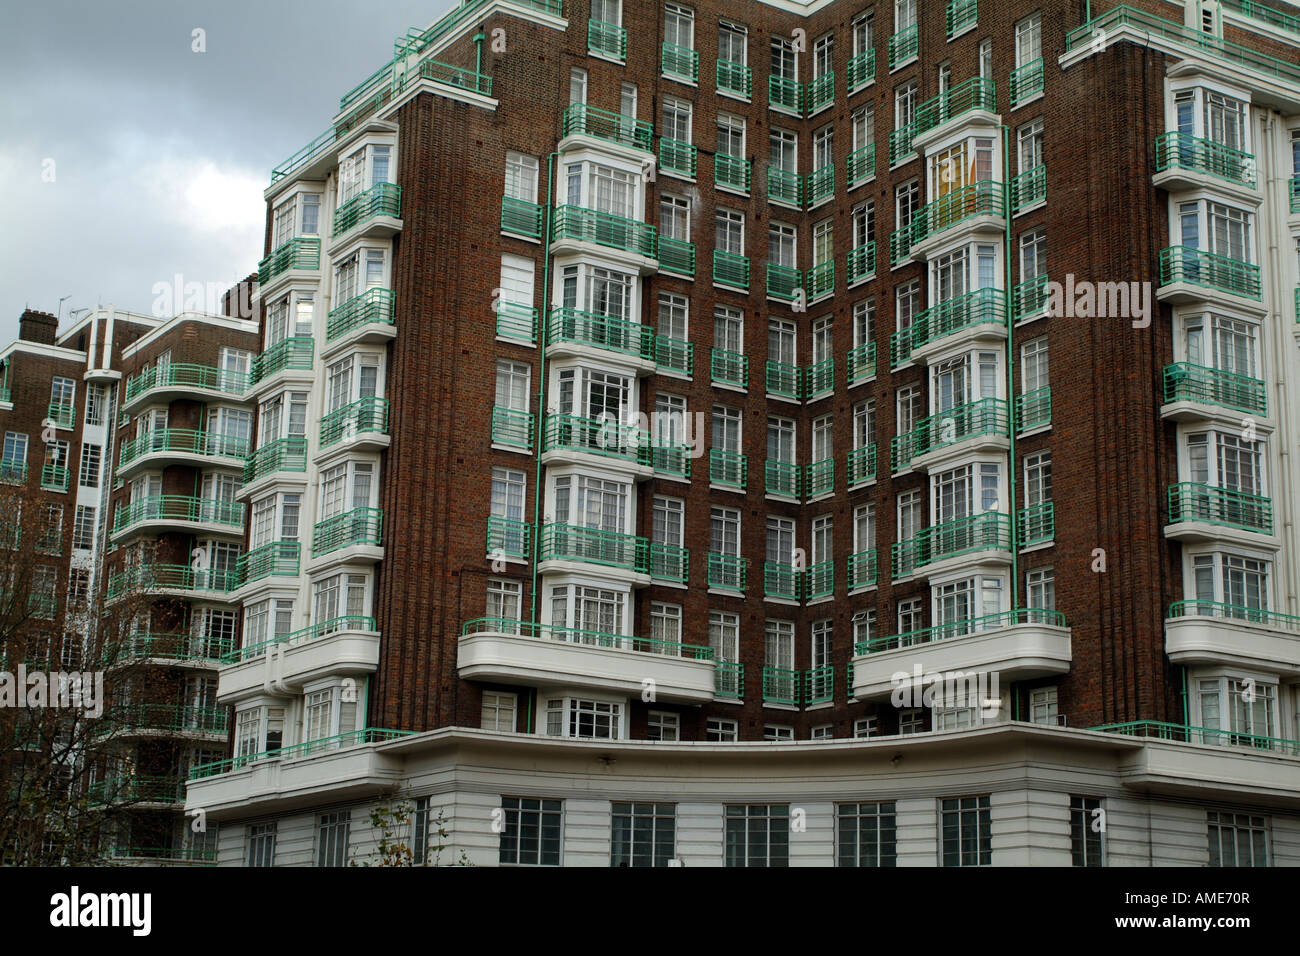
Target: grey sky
{"type": "Point", "coordinates": [160, 154]}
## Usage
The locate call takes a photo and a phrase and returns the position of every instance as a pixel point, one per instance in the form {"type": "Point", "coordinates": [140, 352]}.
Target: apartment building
{"type": "Point", "coordinates": [674, 392]}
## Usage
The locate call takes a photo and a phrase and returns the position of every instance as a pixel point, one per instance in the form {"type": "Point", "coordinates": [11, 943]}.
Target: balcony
{"type": "Point", "coordinates": [781, 686]}
{"type": "Point", "coordinates": [1029, 299]}
{"type": "Point", "coordinates": [367, 317]}
{"type": "Point", "coordinates": [279, 559]}
{"type": "Point", "coordinates": [167, 720]}
{"type": "Point", "coordinates": [516, 322]}
{"type": "Point", "coordinates": [729, 680]}
{"type": "Point", "coordinates": [861, 364]}
{"type": "Point", "coordinates": [513, 429]}
{"type": "Point", "coordinates": [1295, 194]}
{"type": "Point", "coordinates": [13, 472]}
{"type": "Point", "coordinates": [784, 186]}
{"type": "Point", "coordinates": [975, 315]}
{"type": "Point", "coordinates": [783, 282]}
{"type": "Point", "coordinates": [862, 165]}
{"type": "Point", "coordinates": [575, 223]}
{"type": "Point", "coordinates": [669, 562]}
{"type": "Point", "coordinates": [158, 513]}
{"type": "Point", "coordinates": [863, 572]}
{"type": "Point", "coordinates": [1194, 391]}
{"type": "Point", "coordinates": [819, 685]}
{"type": "Point", "coordinates": [580, 119]}
{"type": "Point", "coordinates": [55, 478]}
{"type": "Point", "coordinates": [729, 368]}
{"type": "Point", "coordinates": [291, 354]}
{"type": "Point", "coordinates": [607, 40]}
{"type": "Point", "coordinates": [1207, 513]}
{"type": "Point", "coordinates": [900, 246]}
{"type": "Point", "coordinates": [1026, 82]}
{"type": "Point", "coordinates": [961, 15]}
{"type": "Point", "coordinates": [1184, 271]}
{"type": "Point", "coordinates": [63, 416]}
{"type": "Point", "coordinates": [608, 333]}
{"type": "Point", "coordinates": [1184, 161]}
{"type": "Point", "coordinates": [543, 655]}
{"type": "Point", "coordinates": [731, 271]}
{"type": "Point", "coordinates": [603, 437]}
{"type": "Point", "coordinates": [340, 647]}
{"type": "Point", "coordinates": [1211, 632]}
{"type": "Point", "coordinates": [1029, 189]}
{"type": "Point", "coordinates": [379, 206]}
{"type": "Point", "coordinates": [976, 95]}
{"type": "Point", "coordinates": [727, 572]}
{"type": "Point", "coordinates": [521, 218]}
{"type": "Point", "coordinates": [989, 531]}
{"type": "Point", "coordinates": [611, 549]}
{"type": "Point", "coordinates": [1017, 645]}
{"type": "Point", "coordinates": [862, 466]}
{"type": "Point", "coordinates": [862, 70]}
{"type": "Point", "coordinates": [735, 78]}
{"type": "Point", "coordinates": [137, 790]}
{"type": "Point", "coordinates": [979, 207]}
{"type": "Point", "coordinates": [673, 461]}
{"type": "Point", "coordinates": [984, 423]}
{"type": "Point", "coordinates": [819, 478]}
{"type": "Point", "coordinates": [190, 648]}
{"type": "Point", "coordinates": [180, 379]}
{"type": "Point", "coordinates": [301, 254]}
{"type": "Point", "coordinates": [821, 280]}
{"type": "Point", "coordinates": [674, 355]}
{"type": "Point", "coordinates": [821, 92]}
{"type": "Point", "coordinates": [677, 256]}
{"type": "Point", "coordinates": [861, 263]}
{"type": "Point", "coordinates": [1034, 410]}
{"type": "Point", "coordinates": [281, 455]}
{"type": "Point", "coordinates": [901, 147]}
{"type": "Point", "coordinates": [728, 469]}
{"type": "Point", "coordinates": [732, 172]}
{"type": "Point", "coordinates": [179, 580]}
{"type": "Point", "coordinates": [679, 63]}
{"type": "Point", "coordinates": [819, 379]}
{"type": "Point", "coordinates": [1037, 525]}
{"type": "Point", "coordinates": [182, 446]}
{"type": "Point", "coordinates": [783, 380]}
{"type": "Point", "coordinates": [677, 158]}
{"type": "Point", "coordinates": [508, 538]}
{"type": "Point", "coordinates": [903, 47]}
{"type": "Point", "coordinates": [361, 425]}
{"type": "Point", "coordinates": [358, 528]}
{"type": "Point", "coordinates": [782, 479]}
{"type": "Point", "coordinates": [784, 94]}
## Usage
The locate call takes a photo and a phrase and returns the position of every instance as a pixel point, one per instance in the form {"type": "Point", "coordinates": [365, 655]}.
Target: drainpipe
{"type": "Point", "coordinates": [1011, 367]}
{"type": "Point", "coordinates": [1186, 719]}
{"type": "Point", "coordinates": [478, 56]}
{"type": "Point", "coordinates": [542, 315]}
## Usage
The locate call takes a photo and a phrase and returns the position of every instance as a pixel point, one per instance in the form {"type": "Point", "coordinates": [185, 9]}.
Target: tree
{"type": "Point", "coordinates": [392, 821]}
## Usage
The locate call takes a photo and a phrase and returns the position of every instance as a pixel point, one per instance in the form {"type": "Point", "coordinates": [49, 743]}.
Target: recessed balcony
{"type": "Point", "coordinates": [981, 425]}
{"type": "Point", "coordinates": [192, 515]}
{"type": "Point", "coordinates": [181, 446]}
{"type": "Point", "coordinates": [1016, 645]}
{"type": "Point", "coordinates": [1200, 512]}
{"type": "Point", "coordinates": [972, 539]}
{"type": "Point", "coordinates": [1211, 632]}
{"type": "Point", "coordinates": [183, 380]}
{"type": "Point", "coordinates": [541, 655]}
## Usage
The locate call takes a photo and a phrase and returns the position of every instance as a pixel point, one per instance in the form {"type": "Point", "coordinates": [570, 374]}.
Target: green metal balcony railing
{"type": "Point", "coordinates": [294, 353]}
{"type": "Point", "coordinates": [903, 46]}
{"type": "Point", "coordinates": [171, 577]}
{"type": "Point", "coordinates": [358, 527]}
{"type": "Point", "coordinates": [821, 92]}
{"type": "Point", "coordinates": [728, 468]}
{"type": "Point", "coordinates": [819, 378]}
{"type": "Point", "coordinates": [1026, 81]}
{"type": "Point", "coordinates": [1037, 524]}
{"type": "Point", "coordinates": [1270, 15]}
{"type": "Point", "coordinates": [186, 375]}
{"type": "Point", "coordinates": [372, 307]}
{"type": "Point", "coordinates": [604, 229]}
{"type": "Point", "coordinates": [13, 472]}
{"type": "Point", "coordinates": [862, 465]}
{"type": "Point", "coordinates": [669, 562]}
{"type": "Point", "coordinates": [986, 531]}
{"type": "Point", "coordinates": [368, 735]}
{"type": "Point", "coordinates": [674, 355]}
{"type": "Point", "coordinates": [381, 199]}
{"type": "Point", "coordinates": [735, 78]}
{"type": "Point", "coordinates": [900, 245]}
{"type": "Point", "coordinates": [1191, 501]}
{"type": "Point", "coordinates": [963, 628]}
{"type": "Point", "coordinates": [607, 332]}
{"type": "Point", "coordinates": [819, 685]}
{"type": "Point", "coordinates": [732, 172]}
{"type": "Point", "coordinates": [784, 380]}
{"type": "Point", "coordinates": [166, 717]}
{"type": "Point", "coordinates": [63, 416]}
{"type": "Point", "coordinates": [820, 280]}
{"type": "Point", "coordinates": [784, 94]}
{"type": "Point", "coordinates": [607, 39]}
{"type": "Point", "coordinates": [862, 569]}
{"type": "Point", "coordinates": [983, 198]}
{"type": "Point", "coordinates": [584, 120]}
{"type": "Point", "coordinates": [901, 147]}
{"type": "Point", "coordinates": [516, 321]}
{"type": "Point", "coordinates": [137, 788]}
{"type": "Point", "coordinates": [986, 416]}
{"type": "Point", "coordinates": [198, 855]}
{"type": "Point", "coordinates": [1034, 409]}
{"type": "Point", "coordinates": [977, 93]}
{"type": "Point", "coordinates": [1273, 620]}
{"type": "Point", "coordinates": [900, 347]}
{"type": "Point", "coordinates": [306, 154]}
{"type": "Point", "coordinates": [730, 270]}
{"type": "Point", "coordinates": [677, 256]}
{"type": "Point", "coordinates": [678, 158]}
{"type": "Point", "coordinates": [1209, 270]}
{"type": "Point", "coordinates": [679, 63]}
{"type": "Point", "coordinates": [592, 546]}
{"type": "Point", "coordinates": [508, 537]}
{"type": "Point", "coordinates": [782, 478]}
{"type": "Point", "coordinates": [179, 508]}
{"type": "Point", "coordinates": [573, 635]}
{"type": "Point", "coordinates": [674, 460]}
{"type": "Point", "coordinates": [784, 186]}
{"type": "Point", "coordinates": [783, 281]}
{"type": "Point", "coordinates": [861, 263]}
{"type": "Point", "coordinates": [1028, 189]}
{"type": "Point", "coordinates": [465, 78]}
{"type": "Point", "coordinates": [961, 14]}
{"type": "Point", "coordinates": [606, 437]}
{"type": "Point", "coordinates": [727, 571]}
{"type": "Point", "coordinates": [513, 428]}
{"type": "Point", "coordinates": [862, 363]}
{"type": "Point", "coordinates": [354, 623]}
{"type": "Point", "coordinates": [781, 686]}
{"type": "Point", "coordinates": [729, 368]}
{"type": "Point", "coordinates": [143, 645]}
{"type": "Point", "coordinates": [819, 478]}
{"type": "Point", "coordinates": [1175, 150]}
{"type": "Point", "coordinates": [1185, 382]}
{"type": "Point", "coordinates": [1295, 193]}
{"type": "Point", "coordinates": [182, 441]}
{"type": "Point", "coordinates": [1208, 736]}
{"type": "Point", "coordinates": [1029, 299]}
{"type": "Point", "coordinates": [301, 252]}
{"type": "Point", "coordinates": [981, 307]}
{"type": "Point", "coordinates": [365, 416]}
{"type": "Point", "coordinates": [862, 70]}
{"type": "Point", "coordinates": [55, 478]}
{"type": "Point", "coordinates": [521, 218]}
{"type": "Point", "coordinates": [280, 559]}
{"type": "Point", "coordinates": [283, 454]}
{"type": "Point", "coordinates": [729, 680]}
{"type": "Point", "coordinates": [862, 165]}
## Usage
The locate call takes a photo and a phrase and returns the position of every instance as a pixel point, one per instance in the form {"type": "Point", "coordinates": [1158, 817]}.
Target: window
{"type": "Point", "coordinates": [512, 385]}
{"type": "Point", "coordinates": [591, 719]}
{"type": "Point", "coordinates": [508, 489]}
{"type": "Point", "coordinates": [866, 726]}
{"type": "Point", "coordinates": [521, 176]}
{"type": "Point", "coordinates": [577, 86]}
{"type": "Point", "coordinates": [724, 635]}
{"type": "Point", "coordinates": [732, 43]}
{"type": "Point", "coordinates": [758, 835]}
{"type": "Point", "coordinates": [822, 732]}
{"type": "Point", "coordinates": [866, 833]}
{"type": "Point", "coordinates": [1240, 711]}
{"type": "Point", "coordinates": [340, 595]}
{"type": "Point", "coordinates": [91, 456]}
{"type": "Point", "coordinates": [505, 603]}
{"type": "Point", "coordinates": [785, 61]}
{"type": "Point", "coordinates": [332, 833]}
{"type": "Point", "coordinates": [1040, 589]}
{"type": "Point", "coordinates": [96, 402]}
{"type": "Point", "coordinates": [679, 26]}
{"type": "Point", "coordinates": [674, 219]}
{"type": "Point", "coordinates": [78, 588]}
{"type": "Point", "coordinates": [729, 231]}
{"type": "Point", "coordinates": [1038, 478]}
{"type": "Point", "coordinates": [1237, 839]}
{"type": "Point", "coordinates": [778, 733]}
{"type": "Point", "coordinates": [1219, 342]}
{"type": "Point", "coordinates": [627, 97]}
{"type": "Point", "coordinates": [676, 123]}
{"type": "Point", "coordinates": [721, 730]}
{"type": "Point", "coordinates": [911, 720]}
{"type": "Point", "coordinates": [966, 824]}
{"type": "Point", "coordinates": [267, 619]}
{"type": "Point", "coordinates": [864, 625]}
{"type": "Point", "coordinates": [420, 815]}
{"type": "Point", "coordinates": [904, 107]}
{"type": "Point", "coordinates": [498, 711]}
{"type": "Point", "coordinates": [665, 628]}
{"type": "Point", "coordinates": [663, 726]}
{"type": "Point", "coordinates": [642, 834]}
{"type": "Point", "coordinates": [1029, 40]}
{"type": "Point", "coordinates": [261, 844]}
{"type": "Point", "coordinates": [1085, 831]}
{"type": "Point", "coordinates": [1029, 145]}
{"type": "Point", "coordinates": [986, 59]}
{"type": "Point", "coordinates": [532, 832]}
